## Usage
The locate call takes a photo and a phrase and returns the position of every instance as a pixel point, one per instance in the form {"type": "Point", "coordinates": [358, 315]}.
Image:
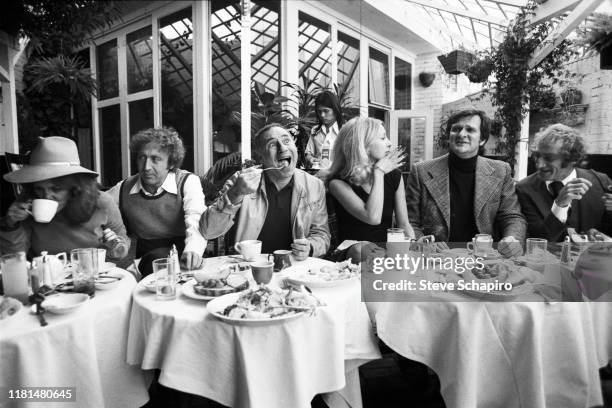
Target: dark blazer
{"type": "Point", "coordinates": [589, 212]}
{"type": "Point", "coordinates": [496, 208]}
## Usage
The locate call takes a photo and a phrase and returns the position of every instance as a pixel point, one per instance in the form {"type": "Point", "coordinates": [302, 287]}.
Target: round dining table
{"type": "Point", "coordinates": [272, 364]}
{"type": "Point", "coordinates": [534, 354]}
{"type": "Point", "coordinates": [84, 349]}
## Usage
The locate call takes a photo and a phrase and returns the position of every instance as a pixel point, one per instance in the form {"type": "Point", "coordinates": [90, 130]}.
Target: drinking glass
{"type": "Point", "coordinates": [85, 269]}
{"type": "Point", "coordinates": [15, 276]}
{"type": "Point", "coordinates": [165, 279]}
{"type": "Point", "coordinates": [481, 245]}
{"type": "Point", "coordinates": [536, 246]}
{"type": "Point", "coordinates": [395, 235]}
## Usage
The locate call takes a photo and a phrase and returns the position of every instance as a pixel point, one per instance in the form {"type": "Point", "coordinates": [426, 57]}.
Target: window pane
{"type": "Point", "coordinates": [265, 44]}
{"type": "Point", "coordinates": [378, 81]}
{"type": "Point", "coordinates": [110, 145]}
{"type": "Point", "coordinates": [83, 118]}
{"type": "Point", "coordinates": [348, 67]}
{"type": "Point", "coordinates": [176, 54]}
{"type": "Point", "coordinates": [108, 74]}
{"type": "Point", "coordinates": [403, 84]}
{"type": "Point", "coordinates": [139, 60]}
{"type": "Point", "coordinates": [377, 113]}
{"type": "Point", "coordinates": [314, 50]}
{"type": "Point", "coordinates": [141, 117]}
{"type": "Point", "coordinates": [225, 46]}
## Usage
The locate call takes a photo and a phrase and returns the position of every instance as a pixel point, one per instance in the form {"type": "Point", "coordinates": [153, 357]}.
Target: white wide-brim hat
{"type": "Point", "coordinates": [52, 157]}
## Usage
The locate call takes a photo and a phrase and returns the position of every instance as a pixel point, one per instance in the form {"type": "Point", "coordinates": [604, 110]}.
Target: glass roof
{"type": "Point", "coordinates": [477, 24]}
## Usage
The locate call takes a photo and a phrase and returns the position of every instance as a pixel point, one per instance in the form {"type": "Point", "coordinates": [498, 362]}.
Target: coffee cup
{"type": "Point", "coordinates": [262, 271]}
{"type": "Point", "coordinates": [282, 259]}
{"type": "Point", "coordinates": [481, 245]}
{"type": "Point", "coordinates": [43, 210]}
{"type": "Point", "coordinates": [250, 249]}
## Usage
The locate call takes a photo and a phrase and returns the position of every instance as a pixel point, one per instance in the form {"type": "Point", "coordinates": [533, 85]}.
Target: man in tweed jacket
{"type": "Point", "coordinates": [466, 191]}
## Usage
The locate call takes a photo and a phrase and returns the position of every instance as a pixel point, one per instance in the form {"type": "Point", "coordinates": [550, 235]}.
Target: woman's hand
{"type": "Point", "coordinates": [17, 212]}
{"type": "Point", "coordinates": [393, 160]}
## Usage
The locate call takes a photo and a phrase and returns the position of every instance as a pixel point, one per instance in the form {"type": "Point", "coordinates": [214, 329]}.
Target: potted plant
{"type": "Point", "coordinates": [456, 62]}
{"type": "Point", "coordinates": [427, 78]}
{"type": "Point", "coordinates": [571, 96]}
{"type": "Point", "coordinates": [480, 69]}
{"type": "Point", "coordinates": [598, 36]}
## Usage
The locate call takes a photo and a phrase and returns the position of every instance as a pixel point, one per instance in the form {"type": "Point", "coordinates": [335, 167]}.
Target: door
{"type": "Point", "coordinates": [413, 131]}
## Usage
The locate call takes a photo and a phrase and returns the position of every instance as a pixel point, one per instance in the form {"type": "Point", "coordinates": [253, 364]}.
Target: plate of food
{"type": "Point", "coordinates": [494, 274]}
{"type": "Point", "coordinates": [537, 260]}
{"type": "Point", "coordinates": [208, 289]}
{"type": "Point", "coordinates": [263, 304]}
{"type": "Point", "coordinates": [326, 275]}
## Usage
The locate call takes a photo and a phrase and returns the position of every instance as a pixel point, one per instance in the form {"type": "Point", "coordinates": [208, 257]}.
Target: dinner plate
{"type": "Point", "coordinates": [149, 283]}
{"type": "Point", "coordinates": [108, 281]}
{"type": "Point", "coordinates": [106, 267]}
{"type": "Point", "coordinates": [298, 274]}
{"type": "Point", "coordinates": [216, 307]}
{"type": "Point", "coordinates": [187, 290]}
{"type": "Point", "coordinates": [64, 302]}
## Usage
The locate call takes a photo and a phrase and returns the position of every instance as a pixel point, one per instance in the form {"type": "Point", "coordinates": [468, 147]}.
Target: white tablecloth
{"type": "Point", "coordinates": [83, 349]}
{"type": "Point", "coordinates": [514, 354]}
{"type": "Point", "coordinates": [284, 364]}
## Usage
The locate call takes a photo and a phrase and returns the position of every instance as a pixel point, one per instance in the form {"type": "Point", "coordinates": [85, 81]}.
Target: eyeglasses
{"type": "Point", "coordinates": [547, 157]}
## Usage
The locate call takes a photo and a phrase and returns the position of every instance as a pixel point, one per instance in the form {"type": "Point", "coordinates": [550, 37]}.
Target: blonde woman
{"type": "Point", "coordinates": [366, 183]}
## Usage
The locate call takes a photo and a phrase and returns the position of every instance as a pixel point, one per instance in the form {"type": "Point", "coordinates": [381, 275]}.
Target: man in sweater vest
{"type": "Point", "coordinates": [558, 195]}
{"type": "Point", "coordinates": [162, 204]}
{"type": "Point", "coordinates": [461, 194]}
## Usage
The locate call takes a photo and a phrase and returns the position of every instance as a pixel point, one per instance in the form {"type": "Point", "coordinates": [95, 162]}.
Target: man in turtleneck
{"type": "Point", "coordinates": [461, 194]}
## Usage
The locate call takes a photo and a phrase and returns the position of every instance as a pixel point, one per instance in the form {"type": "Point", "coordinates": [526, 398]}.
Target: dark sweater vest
{"type": "Point", "coordinates": [153, 217]}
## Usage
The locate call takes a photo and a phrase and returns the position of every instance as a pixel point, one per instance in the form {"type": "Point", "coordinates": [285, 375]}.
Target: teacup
{"type": "Point", "coordinates": [57, 263]}
{"type": "Point", "coordinates": [481, 245]}
{"type": "Point", "coordinates": [250, 249]}
{"type": "Point", "coordinates": [262, 271]}
{"type": "Point", "coordinates": [43, 210]}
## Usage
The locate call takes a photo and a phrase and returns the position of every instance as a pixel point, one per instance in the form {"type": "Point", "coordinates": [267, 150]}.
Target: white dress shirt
{"type": "Point", "coordinates": [193, 206]}
{"type": "Point", "coordinates": [561, 212]}
{"type": "Point", "coordinates": [317, 140]}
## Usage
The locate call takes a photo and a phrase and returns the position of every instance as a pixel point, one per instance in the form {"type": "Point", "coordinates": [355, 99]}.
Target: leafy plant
{"type": "Point", "coordinates": [480, 70]}
{"type": "Point", "coordinates": [56, 87]}
{"type": "Point", "coordinates": [513, 81]}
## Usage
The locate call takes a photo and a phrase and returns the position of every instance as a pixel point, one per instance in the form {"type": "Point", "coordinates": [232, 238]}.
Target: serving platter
{"type": "Point", "coordinates": [216, 307]}
{"type": "Point", "coordinates": [309, 275]}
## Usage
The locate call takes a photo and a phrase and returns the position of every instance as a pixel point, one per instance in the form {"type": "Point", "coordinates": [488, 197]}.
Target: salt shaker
{"type": "Point", "coordinates": [174, 262]}
{"type": "Point", "coordinates": [46, 267]}
{"type": "Point", "coordinates": [566, 251]}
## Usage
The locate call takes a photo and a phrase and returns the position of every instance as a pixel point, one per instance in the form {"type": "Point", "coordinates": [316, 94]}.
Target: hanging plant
{"type": "Point", "coordinates": [571, 96]}
{"type": "Point", "coordinates": [513, 81]}
{"type": "Point", "coordinates": [456, 62]}
{"type": "Point", "coordinates": [480, 70]}
{"type": "Point", "coordinates": [542, 98]}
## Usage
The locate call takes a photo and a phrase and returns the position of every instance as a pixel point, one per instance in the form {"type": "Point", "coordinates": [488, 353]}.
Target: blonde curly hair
{"type": "Point", "coordinates": [350, 159]}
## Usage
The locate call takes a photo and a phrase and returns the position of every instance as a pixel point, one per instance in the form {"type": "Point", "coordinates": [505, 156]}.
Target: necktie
{"type": "Point", "coordinates": [555, 187]}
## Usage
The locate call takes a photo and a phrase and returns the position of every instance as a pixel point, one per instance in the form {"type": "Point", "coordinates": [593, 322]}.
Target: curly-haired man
{"type": "Point", "coordinates": [559, 195]}
{"type": "Point", "coordinates": [162, 204]}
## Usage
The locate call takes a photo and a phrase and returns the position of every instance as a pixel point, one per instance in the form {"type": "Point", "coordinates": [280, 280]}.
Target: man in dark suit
{"type": "Point", "coordinates": [560, 195]}
{"type": "Point", "coordinates": [461, 194]}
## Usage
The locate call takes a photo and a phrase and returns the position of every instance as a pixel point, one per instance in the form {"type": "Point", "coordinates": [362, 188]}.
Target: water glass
{"type": "Point", "coordinates": [15, 276]}
{"type": "Point", "coordinates": [165, 279]}
{"type": "Point", "coordinates": [85, 269]}
{"type": "Point", "coordinates": [536, 246]}
{"type": "Point", "coordinates": [395, 235]}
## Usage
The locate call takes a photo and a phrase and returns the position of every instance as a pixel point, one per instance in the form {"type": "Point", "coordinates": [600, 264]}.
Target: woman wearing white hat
{"type": "Point", "coordinates": [85, 217]}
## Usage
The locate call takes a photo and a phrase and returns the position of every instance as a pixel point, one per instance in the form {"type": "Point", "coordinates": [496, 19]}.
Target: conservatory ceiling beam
{"type": "Point", "coordinates": [514, 3]}
{"type": "Point", "coordinates": [569, 24]}
{"type": "Point", "coordinates": [550, 9]}
{"type": "Point", "coordinates": [461, 12]}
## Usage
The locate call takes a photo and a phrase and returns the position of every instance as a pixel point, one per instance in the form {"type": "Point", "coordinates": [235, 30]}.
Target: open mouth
{"type": "Point", "coordinates": [284, 161]}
